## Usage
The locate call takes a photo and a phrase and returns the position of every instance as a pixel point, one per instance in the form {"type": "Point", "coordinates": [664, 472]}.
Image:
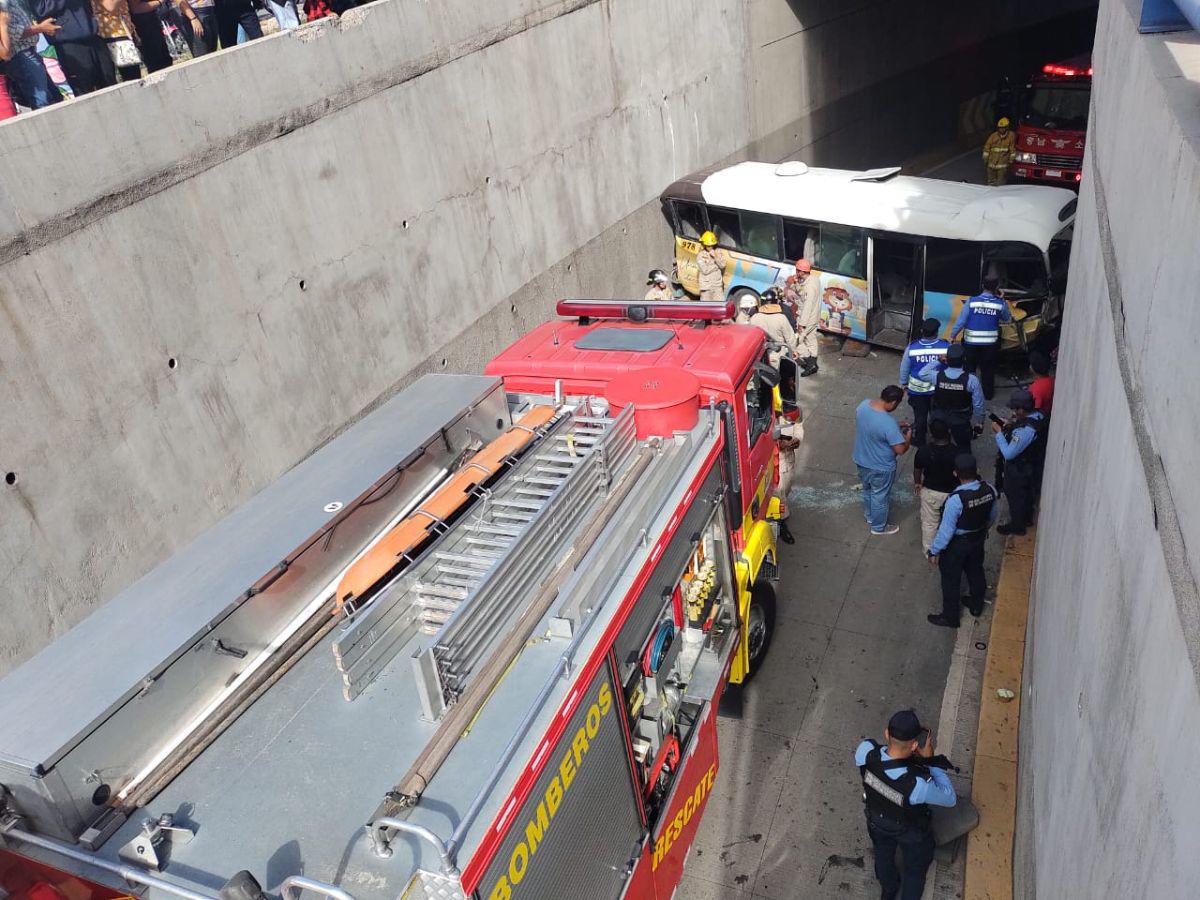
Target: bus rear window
{"type": "Point", "coordinates": [952, 267]}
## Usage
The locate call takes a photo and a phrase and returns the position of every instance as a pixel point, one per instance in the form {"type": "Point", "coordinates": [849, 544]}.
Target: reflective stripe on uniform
{"type": "Point", "coordinates": [987, 304]}
{"type": "Point", "coordinates": [981, 337]}
{"type": "Point", "coordinates": [888, 793]}
{"type": "Point", "coordinates": [917, 386]}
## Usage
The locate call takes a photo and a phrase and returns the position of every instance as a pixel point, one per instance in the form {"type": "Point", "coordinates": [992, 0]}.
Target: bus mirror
{"type": "Point", "coordinates": [768, 375]}
{"type": "Point", "coordinates": [789, 374]}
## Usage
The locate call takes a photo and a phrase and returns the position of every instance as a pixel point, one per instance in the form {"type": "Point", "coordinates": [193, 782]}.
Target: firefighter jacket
{"type": "Point", "coordinates": [1000, 150]}
{"type": "Point", "coordinates": [711, 263]}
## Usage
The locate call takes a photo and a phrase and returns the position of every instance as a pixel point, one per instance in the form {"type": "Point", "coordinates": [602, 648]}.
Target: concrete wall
{"type": "Point", "coordinates": [1109, 797]}
{"type": "Point", "coordinates": [205, 275]}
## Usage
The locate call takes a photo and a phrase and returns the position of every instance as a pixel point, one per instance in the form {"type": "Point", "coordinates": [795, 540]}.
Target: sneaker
{"type": "Point", "coordinates": [939, 619]}
{"type": "Point", "coordinates": [887, 529]}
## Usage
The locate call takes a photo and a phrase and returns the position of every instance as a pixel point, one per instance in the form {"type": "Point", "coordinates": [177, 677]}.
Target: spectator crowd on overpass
{"type": "Point", "coordinates": [53, 50]}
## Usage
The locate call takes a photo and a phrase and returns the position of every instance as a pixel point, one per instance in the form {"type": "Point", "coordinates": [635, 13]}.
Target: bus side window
{"type": "Point", "coordinates": [841, 251]}
{"type": "Point", "coordinates": [952, 267]}
{"type": "Point", "coordinates": [727, 227]}
{"type": "Point", "coordinates": [760, 235]}
{"type": "Point", "coordinates": [690, 219]}
{"type": "Point", "coordinates": [800, 239]}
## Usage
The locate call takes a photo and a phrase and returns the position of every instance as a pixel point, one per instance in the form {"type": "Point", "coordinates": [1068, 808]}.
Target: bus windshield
{"type": "Point", "coordinates": [1057, 106]}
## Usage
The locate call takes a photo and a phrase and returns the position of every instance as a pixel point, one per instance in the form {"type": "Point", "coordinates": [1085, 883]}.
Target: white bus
{"type": "Point", "coordinates": [890, 249]}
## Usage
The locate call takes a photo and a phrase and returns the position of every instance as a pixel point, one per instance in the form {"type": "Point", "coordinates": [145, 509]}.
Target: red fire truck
{"type": "Point", "coordinates": [471, 648]}
{"type": "Point", "coordinates": [1053, 124]}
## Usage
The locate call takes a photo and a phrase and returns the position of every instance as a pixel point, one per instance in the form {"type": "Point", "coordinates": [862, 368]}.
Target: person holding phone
{"type": "Point", "coordinates": [898, 790]}
{"type": "Point", "coordinates": [1021, 443]}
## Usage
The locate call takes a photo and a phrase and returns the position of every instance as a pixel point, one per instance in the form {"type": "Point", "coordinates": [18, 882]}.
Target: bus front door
{"type": "Point", "coordinates": [896, 267]}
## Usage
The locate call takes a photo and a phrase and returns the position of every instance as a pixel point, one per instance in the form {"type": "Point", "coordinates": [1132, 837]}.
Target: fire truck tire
{"type": "Point", "coordinates": [760, 625]}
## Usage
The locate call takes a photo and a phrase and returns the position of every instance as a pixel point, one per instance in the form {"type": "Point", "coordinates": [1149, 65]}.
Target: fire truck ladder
{"type": "Point", "coordinates": [472, 582]}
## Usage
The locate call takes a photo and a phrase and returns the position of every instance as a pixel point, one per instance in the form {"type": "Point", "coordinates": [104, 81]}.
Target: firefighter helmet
{"type": "Point", "coordinates": [658, 276]}
{"type": "Point", "coordinates": [748, 301]}
{"type": "Point", "coordinates": [1003, 123]}
{"type": "Point", "coordinates": [708, 239]}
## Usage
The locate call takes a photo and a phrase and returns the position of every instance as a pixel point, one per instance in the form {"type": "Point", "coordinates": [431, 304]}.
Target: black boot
{"type": "Point", "coordinates": [808, 366]}
{"type": "Point", "coordinates": [1010, 528]}
{"type": "Point", "coordinates": [785, 534]}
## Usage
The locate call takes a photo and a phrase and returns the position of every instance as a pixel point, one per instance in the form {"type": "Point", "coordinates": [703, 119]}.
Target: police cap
{"type": "Point", "coordinates": [955, 355]}
{"type": "Point", "coordinates": [904, 726]}
{"type": "Point", "coordinates": [1020, 399]}
{"type": "Point", "coordinates": [930, 327]}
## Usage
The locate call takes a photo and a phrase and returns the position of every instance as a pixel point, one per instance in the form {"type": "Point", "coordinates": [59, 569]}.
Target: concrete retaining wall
{"type": "Point", "coordinates": [207, 274]}
{"type": "Point", "coordinates": [1108, 795]}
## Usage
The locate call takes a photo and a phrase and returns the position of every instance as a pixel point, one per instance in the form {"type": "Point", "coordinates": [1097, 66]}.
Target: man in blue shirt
{"type": "Point", "coordinates": [928, 348]}
{"type": "Point", "coordinates": [957, 548]}
{"type": "Point", "coordinates": [957, 395]}
{"type": "Point", "coordinates": [1022, 445]}
{"type": "Point", "coordinates": [979, 323]}
{"type": "Point", "coordinates": [898, 789]}
{"type": "Point", "coordinates": [878, 440]}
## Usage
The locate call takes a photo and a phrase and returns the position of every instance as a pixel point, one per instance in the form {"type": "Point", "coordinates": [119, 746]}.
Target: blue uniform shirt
{"type": "Point", "coordinates": [974, 388]}
{"type": "Point", "coordinates": [981, 318]}
{"type": "Point", "coordinates": [921, 353]}
{"type": "Point", "coordinates": [1021, 438]}
{"type": "Point", "coordinates": [936, 790]}
{"type": "Point", "coordinates": [950, 513]}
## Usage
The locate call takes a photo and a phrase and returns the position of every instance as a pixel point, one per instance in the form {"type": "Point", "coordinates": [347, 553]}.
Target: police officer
{"type": "Point", "coordinates": [711, 262]}
{"type": "Point", "coordinates": [957, 395]}
{"type": "Point", "coordinates": [660, 287]}
{"type": "Point", "coordinates": [957, 548]}
{"type": "Point", "coordinates": [898, 789]}
{"type": "Point", "coordinates": [928, 348]}
{"type": "Point", "coordinates": [979, 323]}
{"type": "Point", "coordinates": [1022, 445]}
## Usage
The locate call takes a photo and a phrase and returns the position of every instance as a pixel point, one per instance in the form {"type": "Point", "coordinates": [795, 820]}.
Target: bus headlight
{"type": "Point", "coordinates": [1027, 157]}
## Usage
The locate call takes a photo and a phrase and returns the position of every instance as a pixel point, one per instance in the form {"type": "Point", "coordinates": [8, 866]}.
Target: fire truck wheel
{"type": "Point", "coordinates": [760, 624]}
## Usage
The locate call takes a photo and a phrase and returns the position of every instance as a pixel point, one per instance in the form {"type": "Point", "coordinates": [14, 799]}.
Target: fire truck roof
{"type": "Point", "coordinates": [587, 357]}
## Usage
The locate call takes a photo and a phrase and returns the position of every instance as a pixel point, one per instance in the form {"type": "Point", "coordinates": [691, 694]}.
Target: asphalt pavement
{"type": "Point", "coordinates": [851, 647]}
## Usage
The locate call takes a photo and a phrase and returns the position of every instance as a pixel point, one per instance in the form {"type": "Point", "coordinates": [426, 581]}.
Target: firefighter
{"type": "Point", "coordinates": [1022, 445]}
{"type": "Point", "coordinates": [747, 307]}
{"type": "Point", "coordinates": [711, 261]}
{"type": "Point", "coordinates": [979, 323]}
{"type": "Point", "coordinates": [957, 396]}
{"type": "Point", "coordinates": [999, 152]}
{"type": "Point", "coordinates": [790, 436]}
{"type": "Point", "coordinates": [926, 349]}
{"type": "Point", "coordinates": [660, 287]}
{"type": "Point", "coordinates": [898, 789]}
{"type": "Point", "coordinates": [771, 319]}
{"type": "Point", "coordinates": [957, 548]}
{"type": "Point", "coordinates": [803, 291]}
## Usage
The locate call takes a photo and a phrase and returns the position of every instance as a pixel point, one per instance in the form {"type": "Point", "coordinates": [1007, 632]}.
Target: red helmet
{"type": "Point", "coordinates": [803, 265]}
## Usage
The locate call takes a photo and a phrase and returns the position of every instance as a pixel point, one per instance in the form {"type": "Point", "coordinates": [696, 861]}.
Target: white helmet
{"type": "Point", "coordinates": [748, 301]}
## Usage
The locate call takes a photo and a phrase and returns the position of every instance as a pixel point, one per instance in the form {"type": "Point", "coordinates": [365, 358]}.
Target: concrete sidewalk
{"type": "Point", "coordinates": [851, 647]}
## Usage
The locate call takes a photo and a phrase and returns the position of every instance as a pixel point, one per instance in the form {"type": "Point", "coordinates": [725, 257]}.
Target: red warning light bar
{"type": "Point", "coordinates": [640, 311]}
{"type": "Point", "coordinates": [1066, 71]}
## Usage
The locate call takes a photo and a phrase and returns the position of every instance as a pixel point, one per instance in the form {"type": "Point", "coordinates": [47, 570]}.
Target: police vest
{"type": "Point", "coordinates": [1035, 453]}
{"type": "Point", "coordinates": [921, 354]}
{"type": "Point", "coordinates": [977, 506]}
{"type": "Point", "coordinates": [887, 796]}
{"type": "Point", "coordinates": [951, 394]}
{"type": "Point", "coordinates": [983, 320]}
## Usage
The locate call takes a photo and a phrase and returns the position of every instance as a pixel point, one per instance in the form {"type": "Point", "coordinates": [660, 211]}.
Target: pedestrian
{"type": "Point", "coordinates": [878, 440]}
{"type": "Point", "coordinates": [23, 67]}
{"type": "Point", "coordinates": [115, 26]}
{"type": "Point", "coordinates": [1022, 445]}
{"type": "Point", "coordinates": [934, 479]}
{"type": "Point", "coordinates": [82, 53]}
{"type": "Point", "coordinates": [711, 261]}
{"type": "Point", "coordinates": [898, 789]}
{"type": "Point", "coordinates": [999, 152]}
{"type": "Point", "coordinates": [957, 396]}
{"type": "Point", "coordinates": [200, 25]}
{"type": "Point", "coordinates": [147, 22]}
{"type": "Point", "coordinates": [772, 321]}
{"type": "Point", "coordinates": [660, 287]}
{"type": "Point", "coordinates": [232, 14]}
{"type": "Point", "coordinates": [1042, 387]}
{"type": "Point", "coordinates": [747, 307]}
{"type": "Point", "coordinates": [926, 349]}
{"type": "Point", "coordinates": [803, 290]}
{"type": "Point", "coordinates": [979, 322]}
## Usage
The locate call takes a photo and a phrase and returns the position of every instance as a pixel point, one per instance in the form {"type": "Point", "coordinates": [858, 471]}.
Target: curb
{"type": "Point", "coordinates": [994, 782]}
